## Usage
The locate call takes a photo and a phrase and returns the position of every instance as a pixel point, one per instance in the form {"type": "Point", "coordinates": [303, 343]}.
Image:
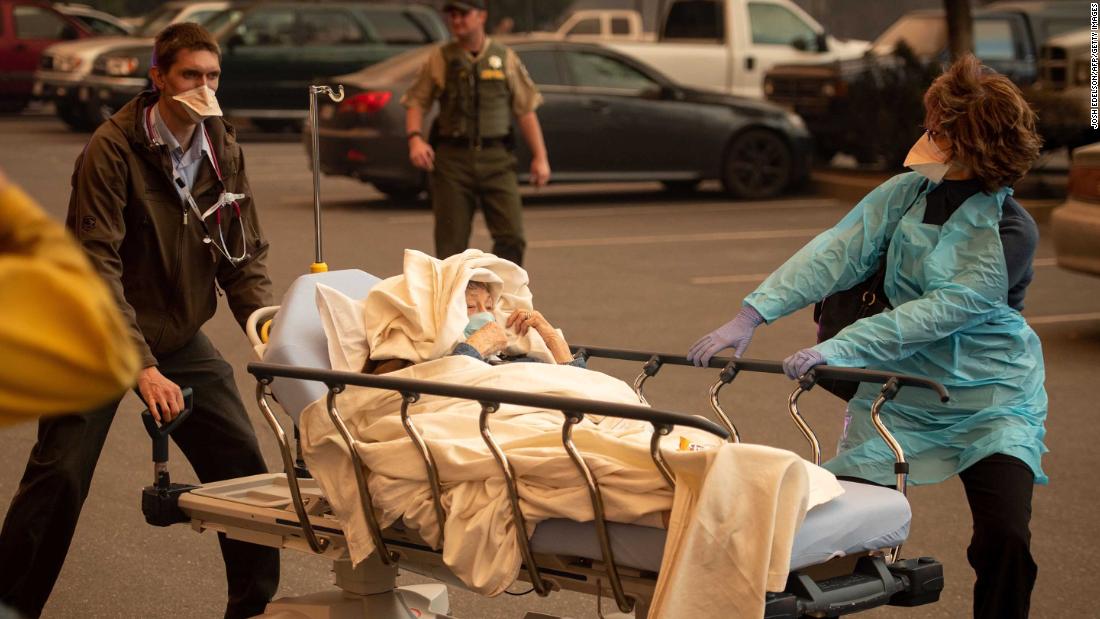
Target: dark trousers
{"type": "Point", "coordinates": [217, 440]}
{"type": "Point", "coordinates": [998, 489]}
{"type": "Point", "coordinates": [461, 177]}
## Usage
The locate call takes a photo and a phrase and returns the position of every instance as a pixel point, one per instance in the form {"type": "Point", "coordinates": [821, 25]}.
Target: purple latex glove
{"type": "Point", "coordinates": [801, 362]}
{"type": "Point", "coordinates": [735, 334]}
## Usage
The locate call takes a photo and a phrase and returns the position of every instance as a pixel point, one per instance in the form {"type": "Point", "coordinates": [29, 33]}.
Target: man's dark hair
{"type": "Point", "coordinates": [179, 37]}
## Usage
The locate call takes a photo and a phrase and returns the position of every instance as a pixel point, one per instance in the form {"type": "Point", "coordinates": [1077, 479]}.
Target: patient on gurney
{"type": "Point", "coordinates": [486, 340]}
{"type": "Point", "coordinates": [440, 320]}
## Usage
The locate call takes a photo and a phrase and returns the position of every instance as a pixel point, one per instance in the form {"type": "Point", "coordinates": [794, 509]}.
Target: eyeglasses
{"type": "Point", "coordinates": [934, 133]}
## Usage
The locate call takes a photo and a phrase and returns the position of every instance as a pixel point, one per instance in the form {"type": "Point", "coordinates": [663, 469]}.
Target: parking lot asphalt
{"type": "Point", "coordinates": [615, 265]}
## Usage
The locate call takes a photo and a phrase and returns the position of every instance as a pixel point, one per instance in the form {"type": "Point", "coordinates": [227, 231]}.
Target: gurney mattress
{"type": "Point", "coordinates": [864, 518]}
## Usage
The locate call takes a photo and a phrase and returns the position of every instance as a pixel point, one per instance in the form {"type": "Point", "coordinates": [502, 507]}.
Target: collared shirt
{"type": "Point", "coordinates": [432, 77]}
{"type": "Point", "coordinates": [186, 163]}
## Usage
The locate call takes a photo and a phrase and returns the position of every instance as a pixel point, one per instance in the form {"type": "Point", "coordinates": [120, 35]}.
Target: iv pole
{"type": "Point", "coordinates": [337, 96]}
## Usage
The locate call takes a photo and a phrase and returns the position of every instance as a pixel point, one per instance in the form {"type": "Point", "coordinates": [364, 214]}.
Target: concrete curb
{"type": "Point", "coordinates": [849, 186]}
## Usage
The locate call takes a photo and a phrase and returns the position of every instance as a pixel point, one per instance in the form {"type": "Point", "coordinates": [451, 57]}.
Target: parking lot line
{"type": "Point", "coordinates": [1061, 318]}
{"type": "Point", "coordinates": [651, 239]}
{"type": "Point", "coordinates": [752, 278]}
{"type": "Point", "coordinates": [664, 209]}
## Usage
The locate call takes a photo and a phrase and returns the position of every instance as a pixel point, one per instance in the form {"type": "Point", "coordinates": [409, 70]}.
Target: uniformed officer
{"type": "Point", "coordinates": [479, 84]}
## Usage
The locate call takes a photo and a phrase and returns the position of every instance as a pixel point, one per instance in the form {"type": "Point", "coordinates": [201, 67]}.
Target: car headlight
{"type": "Point", "coordinates": [795, 120]}
{"type": "Point", "coordinates": [66, 64]}
{"type": "Point", "coordinates": [120, 65]}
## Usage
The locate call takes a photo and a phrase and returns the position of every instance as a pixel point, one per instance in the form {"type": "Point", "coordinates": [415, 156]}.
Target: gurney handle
{"type": "Point", "coordinates": [159, 433]}
{"type": "Point", "coordinates": [485, 394]}
{"type": "Point", "coordinates": [768, 367]}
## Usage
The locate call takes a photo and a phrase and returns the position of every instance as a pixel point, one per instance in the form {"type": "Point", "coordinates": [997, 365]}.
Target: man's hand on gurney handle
{"type": "Point", "coordinates": [735, 334]}
{"type": "Point", "coordinates": [163, 397]}
{"type": "Point", "coordinates": [524, 320]}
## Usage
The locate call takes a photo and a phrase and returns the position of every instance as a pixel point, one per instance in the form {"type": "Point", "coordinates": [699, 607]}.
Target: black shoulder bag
{"type": "Point", "coordinates": [841, 309]}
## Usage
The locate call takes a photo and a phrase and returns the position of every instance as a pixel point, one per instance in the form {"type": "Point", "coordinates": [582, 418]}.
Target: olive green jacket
{"type": "Point", "coordinates": [129, 218]}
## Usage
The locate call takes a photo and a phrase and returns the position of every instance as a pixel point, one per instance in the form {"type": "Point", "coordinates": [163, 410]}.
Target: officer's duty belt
{"type": "Point", "coordinates": [473, 142]}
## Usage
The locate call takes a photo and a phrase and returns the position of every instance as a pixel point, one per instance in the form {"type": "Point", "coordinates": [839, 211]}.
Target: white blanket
{"type": "Point", "coordinates": [419, 315]}
{"type": "Point", "coordinates": [736, 508]}
{"type": "Point", "coordinates": [480, 544]}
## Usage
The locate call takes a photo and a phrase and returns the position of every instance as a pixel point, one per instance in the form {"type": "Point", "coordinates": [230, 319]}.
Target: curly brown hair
{"type": "Point", "coordinates": [990, 125]}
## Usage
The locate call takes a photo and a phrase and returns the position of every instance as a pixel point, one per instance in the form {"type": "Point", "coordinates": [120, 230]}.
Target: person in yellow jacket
{"type": "Point", "coordinates": [62, 339]}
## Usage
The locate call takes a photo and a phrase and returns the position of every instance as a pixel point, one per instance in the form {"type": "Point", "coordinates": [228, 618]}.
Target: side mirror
{"type": "Point", "coordinates": [669, 93]}
{"type": "Point", "coordinates": [68, 33]}
{"type": "Point", "coordinates": [822, 42]}
{"type": "Point", "coordinates": [234, 41]}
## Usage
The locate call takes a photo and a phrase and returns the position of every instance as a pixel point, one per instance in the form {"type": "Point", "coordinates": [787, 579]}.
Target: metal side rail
{"type": "Point", "coordinates": [573, 411]}
{"type": "Point", "coordinates": [303, 522]}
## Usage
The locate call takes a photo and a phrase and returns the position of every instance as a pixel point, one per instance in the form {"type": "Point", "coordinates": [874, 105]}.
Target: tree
{"type": "Point", "coordinates": [960, 28]}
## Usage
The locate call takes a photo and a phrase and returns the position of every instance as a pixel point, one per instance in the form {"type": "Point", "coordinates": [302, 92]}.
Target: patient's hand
{"type": "Point", "coordinates": [488, 340]}
{"type": "Point", "coordinates": [523, 320]}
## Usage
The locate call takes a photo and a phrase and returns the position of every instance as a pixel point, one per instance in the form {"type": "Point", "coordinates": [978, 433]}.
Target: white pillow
{"type": "Point", "coordinates": [342, 319]}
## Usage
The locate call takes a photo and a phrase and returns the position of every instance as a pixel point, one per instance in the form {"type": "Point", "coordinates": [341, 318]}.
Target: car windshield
{"type": "Point", "coordinates": [926, 35]}
{"type": "Point", "coordinates": [397, 68]}
{"type": "Point", "coordinates": [156, 21]}
{"type": "Point", "coordinates": [221, 20]}
{"type": "Point", "coordinates": [100, 26]}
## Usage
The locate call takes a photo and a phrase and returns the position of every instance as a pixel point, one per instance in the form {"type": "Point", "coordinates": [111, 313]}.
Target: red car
{"type": "Point", "coordinates": [26, 28]}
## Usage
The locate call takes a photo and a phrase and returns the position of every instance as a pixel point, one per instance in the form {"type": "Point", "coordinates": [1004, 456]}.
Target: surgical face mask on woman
{"type": "Point", "coordinates": [477, 321]}
{"type": "Point", "coordinates": [927, 159]}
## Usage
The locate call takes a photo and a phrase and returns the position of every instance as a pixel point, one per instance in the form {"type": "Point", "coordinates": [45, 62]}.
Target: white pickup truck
{"type": "Point", "coordinates": [728, 45]}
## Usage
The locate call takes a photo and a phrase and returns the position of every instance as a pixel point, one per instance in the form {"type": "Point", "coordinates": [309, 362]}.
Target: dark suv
{"type": "Point", "coordinates": [272, 51]}
{"type": "Point", "coordinates": [871, 107]}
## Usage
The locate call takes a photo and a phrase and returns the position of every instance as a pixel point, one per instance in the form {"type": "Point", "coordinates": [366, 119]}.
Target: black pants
{"type": "Point", "coordinates": [217, 439]}
{"type": "Point", "coordinates": [998, 489]}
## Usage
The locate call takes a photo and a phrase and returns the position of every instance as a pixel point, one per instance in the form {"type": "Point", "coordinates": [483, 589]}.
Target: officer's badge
{"type": "Point", "coordinates": [495, 62]}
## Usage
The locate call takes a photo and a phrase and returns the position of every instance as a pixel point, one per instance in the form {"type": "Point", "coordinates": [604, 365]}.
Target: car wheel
{"type": "Point", "coordinates": [100, 113]}
{"type": "Point", "coordinates": [12, 106]}
{"type": "Point", "coordinates": [681, 186]}
{"type": "Point", "coordinates": [278, 125]}
{"type": "Point", "coordinates": [758, 165]}
{"type": "Point", "coordinates": [74, 117]}
{"type": "Point", "coordinates": [398, 192]}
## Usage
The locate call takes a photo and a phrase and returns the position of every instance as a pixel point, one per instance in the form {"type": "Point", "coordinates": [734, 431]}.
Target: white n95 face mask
{"type": "Point", "coordinates": [926, 159]}
{"type": "Point", "coordinates": [200, 103]}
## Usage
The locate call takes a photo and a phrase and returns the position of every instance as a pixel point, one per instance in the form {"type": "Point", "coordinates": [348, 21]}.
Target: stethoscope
{"type": "Point", "coordinates": [226, 199]}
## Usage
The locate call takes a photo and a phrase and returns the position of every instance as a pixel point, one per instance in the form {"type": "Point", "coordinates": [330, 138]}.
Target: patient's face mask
{"type": "Point", "coordinates": [200, 103]}
{"type": "Point", "coordinates": [477, 321]}
{"type": "Point", "coordinates": [926, 159]}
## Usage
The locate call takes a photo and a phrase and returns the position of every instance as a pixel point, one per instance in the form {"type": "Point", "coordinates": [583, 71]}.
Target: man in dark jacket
{"type": "Point", "coordinates": [142, 208]}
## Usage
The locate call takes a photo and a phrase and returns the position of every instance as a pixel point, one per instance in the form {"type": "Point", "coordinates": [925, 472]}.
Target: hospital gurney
{"type": "Point", "coordinates": [846, 553]}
